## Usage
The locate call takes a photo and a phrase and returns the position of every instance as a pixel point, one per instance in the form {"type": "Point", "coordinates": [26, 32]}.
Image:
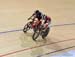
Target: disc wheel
{"type": "Point", "coordinates": [45, 33]}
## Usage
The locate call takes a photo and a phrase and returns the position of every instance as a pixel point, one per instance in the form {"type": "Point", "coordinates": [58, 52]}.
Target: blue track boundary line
{"type": "Point", "coordinates": [55, 51]}
{"type": "Point", "coordinates": [22, 29]}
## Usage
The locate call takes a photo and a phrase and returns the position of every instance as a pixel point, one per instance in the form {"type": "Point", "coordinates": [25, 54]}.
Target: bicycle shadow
{"type": "Point", "coordinates": [44, 44]}
{"type": "Point", "coordinates": [48, 43]}
{"type": "Point", "coordinates": [26, 40]}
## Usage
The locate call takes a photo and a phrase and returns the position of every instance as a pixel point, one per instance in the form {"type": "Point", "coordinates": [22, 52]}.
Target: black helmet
{"type": "Point", "coordinates": [36, 11]}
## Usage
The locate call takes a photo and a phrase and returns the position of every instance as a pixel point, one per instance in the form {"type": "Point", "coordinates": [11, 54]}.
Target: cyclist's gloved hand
{"type": "Point", "coordinates": [29, 18]}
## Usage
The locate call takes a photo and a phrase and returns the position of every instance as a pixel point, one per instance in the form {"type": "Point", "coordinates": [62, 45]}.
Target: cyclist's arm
{"type": "Point", "coordinates": [31, 17]}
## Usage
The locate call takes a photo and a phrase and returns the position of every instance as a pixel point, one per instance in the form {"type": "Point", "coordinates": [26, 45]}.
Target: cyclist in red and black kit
{"type": "Point", "coordinates": [47, 21]}
{"type": "Point", "coordinates": [37, 16]}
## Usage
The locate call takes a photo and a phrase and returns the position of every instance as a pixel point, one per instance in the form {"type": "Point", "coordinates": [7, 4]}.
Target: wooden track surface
{"type": "Point", "coordinates": [13, 17]}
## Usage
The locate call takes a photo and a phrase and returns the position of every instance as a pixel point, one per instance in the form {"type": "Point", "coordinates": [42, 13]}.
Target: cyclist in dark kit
{"type": "Point", "coordinates": [36, 16]}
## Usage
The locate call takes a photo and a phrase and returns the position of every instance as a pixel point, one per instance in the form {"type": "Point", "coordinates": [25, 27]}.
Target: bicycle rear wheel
{"type": "Point", "coordinates": [35, 34]}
